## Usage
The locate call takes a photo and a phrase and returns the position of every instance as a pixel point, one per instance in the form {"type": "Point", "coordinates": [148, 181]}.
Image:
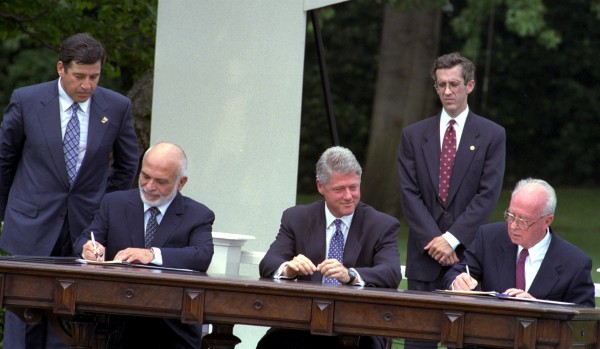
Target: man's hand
{"type": "Point", "coordinates": [515, 292]}
{"type": "Point", "coordinates": [450, 260]}
{"type": "Point", "coordinates": [464, 282]}
{"type": "Point", "coordinates": [332, 268]}
{"type": "Point", "coordinates": [135, 255]}
{"type": "Point", "coordinates": [440, 250]}
{"type": "Point", "coordinates": [92, 253]}
{"type": "Point", "coordinates": [300, 265]}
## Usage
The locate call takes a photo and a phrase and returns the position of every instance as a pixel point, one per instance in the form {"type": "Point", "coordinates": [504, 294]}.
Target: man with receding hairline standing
{"type": "Point", "coordinates": [451, 168]}
{"type": "Point", "coordinates": [63, 145]}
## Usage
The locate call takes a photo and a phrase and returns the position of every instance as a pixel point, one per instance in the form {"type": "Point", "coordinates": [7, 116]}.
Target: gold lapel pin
{"type": "Point", "coordinates": [472, 147]}
{"type": "Point", "coordinates": [105, 120]}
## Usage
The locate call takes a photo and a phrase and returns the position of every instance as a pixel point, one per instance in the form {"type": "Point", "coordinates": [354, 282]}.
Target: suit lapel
{"type": "Point", "coordinates": [134, 224]}
{"type": "Point", "coordinates": [431, 152]}
{"type": "Point", "coordinates": [314, 240]}
{"type": "Point", "coordinates": [352, 247]}
{"type": "Point", "coordinates": [49, 119]}
{"type": "Point", "coordinates": [99, 122]}
{"type": "Point", "coordinates": [468, 147]}
{"type": "Point", "coordinates": [170, 221]}
{"type": "Point", "coordinates": [542, 286]}
{"type": "Point", "coordinates": [506, 262]}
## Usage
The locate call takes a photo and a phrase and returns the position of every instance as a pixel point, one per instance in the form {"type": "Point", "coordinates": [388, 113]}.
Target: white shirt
{"type": "Point", "coordinates": [83, 114]}
{"type": "Point", "coordinates": [535, 258]}
{"type": "Point", "coordinates": [329, 219]}
{"type": "Point", "coordinates": [329, 231]}
{"type": "Point", "coordinates": [459, 126]}
{"type": "Point", "coordinates": [162, 208]}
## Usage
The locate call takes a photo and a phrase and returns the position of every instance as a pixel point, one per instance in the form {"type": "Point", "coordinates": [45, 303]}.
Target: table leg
{"type": "Point", "coordinates": [221, 337]}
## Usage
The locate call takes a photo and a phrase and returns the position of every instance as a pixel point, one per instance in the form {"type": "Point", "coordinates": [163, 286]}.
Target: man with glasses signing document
{"type": "Point", "coordinates": [523, 257]}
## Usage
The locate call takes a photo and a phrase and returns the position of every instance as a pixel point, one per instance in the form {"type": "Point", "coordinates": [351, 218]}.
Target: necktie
{"type": "Point", "coordinates": [336, 249]}
{"type": "Point", "coordinates": [71, 144]}
{"type": "Point", "coordinates": [151, 226]}
{"type": "Point", "coordinates": [520, 272]}
{"type": "Point", "coordinates": [447, 161]}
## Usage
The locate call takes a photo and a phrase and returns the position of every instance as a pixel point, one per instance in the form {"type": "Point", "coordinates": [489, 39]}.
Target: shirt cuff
{"type": "Point", "coordinates": [451, 240]}
{"type": "Point", "coordinates": [157, 256]}
{"type": "Point", "coordinates": [279, 271]}
{"type": "Point", "coordinates": [358, 281]}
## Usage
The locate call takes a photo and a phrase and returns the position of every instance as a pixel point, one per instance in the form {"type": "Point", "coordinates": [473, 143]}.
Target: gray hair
{"type": "Point", "coordinates": [550, 193]}
{"type": "Point", "coordinates": [336, 159]}
{"type": "Point", "coordinates": [178, 155]}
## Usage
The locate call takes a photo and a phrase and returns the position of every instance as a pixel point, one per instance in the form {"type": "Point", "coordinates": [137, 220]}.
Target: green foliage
{"type": "Point", "coordinates": [351, 36]}
{"type": "Point", "coordinates": [31, 32]}
{"type": "Point", "coordinates": [525, 18]}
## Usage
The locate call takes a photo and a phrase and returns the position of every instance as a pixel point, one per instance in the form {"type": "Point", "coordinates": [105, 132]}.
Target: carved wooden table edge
{"type": "Point", "coordinates": [80, 294]}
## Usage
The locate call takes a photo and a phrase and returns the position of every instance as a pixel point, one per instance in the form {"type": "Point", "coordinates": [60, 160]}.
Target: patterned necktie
{"type": "Point", "coordinates": [151, 226]}
{"type": "Point", "coordinates": [520, 271]}
{"type": "Point", "coordinates": [71, 144]}
{"type": "Point", "coordinates": [447, 161]}
{"type": "Point", "coordinates": [336, 249]}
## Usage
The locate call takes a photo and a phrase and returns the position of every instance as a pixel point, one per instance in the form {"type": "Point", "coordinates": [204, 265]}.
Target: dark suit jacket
{"type": "Point", "coordinates": [34, 189]}
{"type": "Point", "coordinates": [371, 247]}
{"type": "Point", "coordinates": [184, 237]}
{"type": "Point", "coordinates": [563, 276]}
{"type": "Point", "coordinates": [474, 187]}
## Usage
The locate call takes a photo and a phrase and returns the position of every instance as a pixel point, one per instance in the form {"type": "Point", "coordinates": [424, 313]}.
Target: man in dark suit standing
{"type": "Point", "coordinates": [339, 241]}
{"type": "Point", "coordinates": [451, 167]}
{"type": "Point", "coordinates": [178, 235]}
{"type": "Point", "coordinates": [56, 142]}
{"type": "Point", "coordinates": [551, 268]}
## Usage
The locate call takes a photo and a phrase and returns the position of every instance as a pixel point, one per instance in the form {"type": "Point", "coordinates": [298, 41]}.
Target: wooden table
{"type": "Point", "coordinates": [84, 295]}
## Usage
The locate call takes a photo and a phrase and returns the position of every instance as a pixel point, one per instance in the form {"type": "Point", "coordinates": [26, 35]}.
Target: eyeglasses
{"type": "Point", "coordinates": [452, 85]}
{"type": "Point", "coordinates": [521, 223]}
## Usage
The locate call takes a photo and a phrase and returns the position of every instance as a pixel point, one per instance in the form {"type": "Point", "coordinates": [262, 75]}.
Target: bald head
{"type": "Point", "coordinates": [163, 173]}
{"type": "Point", "coordinates": [531, 212]}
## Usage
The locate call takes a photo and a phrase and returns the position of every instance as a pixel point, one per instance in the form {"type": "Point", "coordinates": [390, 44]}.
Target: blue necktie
{"type": "Point", "coordinates": [151, 226]}
{"type": "Point", "coordinates": [71, 144]}
{"type": "Point", "coordinates": [336, 249]}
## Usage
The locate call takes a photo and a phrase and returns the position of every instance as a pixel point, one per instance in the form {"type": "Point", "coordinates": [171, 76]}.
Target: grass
{"type": "Point", "coordinates": [575, 220]}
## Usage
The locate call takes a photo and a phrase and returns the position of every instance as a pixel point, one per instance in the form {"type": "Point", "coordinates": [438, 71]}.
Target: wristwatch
{"type": "Point", "coordinates": [352, 275]}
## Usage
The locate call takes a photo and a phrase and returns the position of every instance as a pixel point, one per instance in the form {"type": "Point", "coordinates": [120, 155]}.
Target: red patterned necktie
{"type": "Point", "coordinates": [447, 161]}
{"type": "Point", "coordinates": [520, 271]}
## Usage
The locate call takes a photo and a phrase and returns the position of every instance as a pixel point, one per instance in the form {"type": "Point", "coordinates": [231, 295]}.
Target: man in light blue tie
{"type": "Point", "coordinates": [338, 240]}
{"type": "Point", "coordinates": [63, 145]}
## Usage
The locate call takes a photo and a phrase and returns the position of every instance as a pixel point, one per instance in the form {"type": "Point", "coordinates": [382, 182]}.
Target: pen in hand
{"type": "Point", "coordinates": [466, 266]}
{"type": "Point", "coordinates": [95, 246]}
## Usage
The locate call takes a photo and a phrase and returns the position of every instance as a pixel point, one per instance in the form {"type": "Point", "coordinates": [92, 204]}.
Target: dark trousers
{"type": "Point", "coordinates": [154, 333]}
{"type": "Point", "coordinates": [277, 338]}
{"type": "Point", "coordinates": [20, 335]}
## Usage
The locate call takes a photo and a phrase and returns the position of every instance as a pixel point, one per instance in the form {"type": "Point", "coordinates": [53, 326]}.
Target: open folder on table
{"type": "Point", "coordinates": [76, 260]}
{"type": "Point", "coordinates": [502, 296]}
{"type": "Point", "coordinates": [128, 264]}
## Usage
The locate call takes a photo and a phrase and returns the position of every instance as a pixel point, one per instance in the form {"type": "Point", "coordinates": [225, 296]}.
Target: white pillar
{"type": "Point", "coordinates": [228, 90]}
